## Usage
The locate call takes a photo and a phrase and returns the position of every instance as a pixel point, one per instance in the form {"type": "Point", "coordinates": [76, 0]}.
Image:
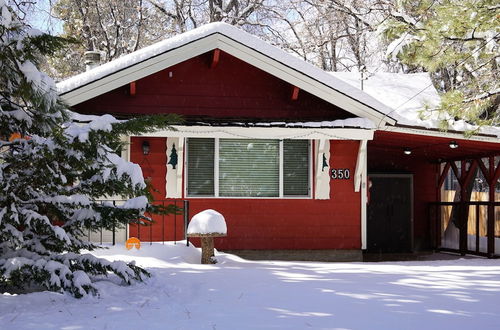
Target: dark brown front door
{"type": "Point", "coordinates": [389, 223]}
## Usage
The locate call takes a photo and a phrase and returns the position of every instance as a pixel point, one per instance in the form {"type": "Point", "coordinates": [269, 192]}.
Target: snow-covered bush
{"type": "Point", "coordinates": [54, 166]}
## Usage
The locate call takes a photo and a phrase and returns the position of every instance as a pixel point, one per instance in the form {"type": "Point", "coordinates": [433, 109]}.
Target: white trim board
{"type": "Point", "coordinates": [363, 160]}
{"type": "Point", "coordinates": [360, 165]}
{"type": "Point", "coordinates": [434, 133]}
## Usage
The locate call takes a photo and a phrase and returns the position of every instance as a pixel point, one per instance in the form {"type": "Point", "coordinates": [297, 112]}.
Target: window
{"type": "Point", "coordinates": [200, 166]}
{"type": "Point", "coordinates": [248, 168]}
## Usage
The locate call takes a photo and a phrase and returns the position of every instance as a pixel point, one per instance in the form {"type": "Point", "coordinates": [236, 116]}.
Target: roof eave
{"type": "Point", "coordinates": [438, 133]}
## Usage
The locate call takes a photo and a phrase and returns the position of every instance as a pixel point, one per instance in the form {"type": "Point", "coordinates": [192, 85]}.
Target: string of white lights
{"type": "Point", "coordinates": [286, 137]}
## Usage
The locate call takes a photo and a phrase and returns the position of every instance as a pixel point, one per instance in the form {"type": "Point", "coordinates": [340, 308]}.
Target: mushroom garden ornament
{"type": "Point", "coordinates": [207, 225]}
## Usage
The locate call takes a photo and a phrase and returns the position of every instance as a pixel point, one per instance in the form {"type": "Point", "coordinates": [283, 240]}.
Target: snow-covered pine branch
{"type": "Point", "coordinates": [54, 171]}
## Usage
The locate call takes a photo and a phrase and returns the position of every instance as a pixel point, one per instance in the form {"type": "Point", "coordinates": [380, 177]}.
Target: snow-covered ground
{"type": "Point", "coordinates": [240, 294]}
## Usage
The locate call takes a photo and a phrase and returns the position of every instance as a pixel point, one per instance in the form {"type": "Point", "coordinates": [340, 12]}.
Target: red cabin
{"type": "Point", "coordinates": [301, 163]}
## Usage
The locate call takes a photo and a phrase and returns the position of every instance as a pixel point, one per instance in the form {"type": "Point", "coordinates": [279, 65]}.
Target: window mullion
{"type": "Point", "coordinates": [216, 167]}
{"type": "Point", "coordinates": [281, 168]}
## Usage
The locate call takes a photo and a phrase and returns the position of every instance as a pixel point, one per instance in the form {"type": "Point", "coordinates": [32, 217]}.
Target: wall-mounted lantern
{"type": "Point", "coordinates": [145, 148]}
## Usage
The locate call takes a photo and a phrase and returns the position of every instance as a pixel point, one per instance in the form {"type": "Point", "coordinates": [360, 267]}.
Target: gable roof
{"type": "Point", "coordinates": [237, 43]}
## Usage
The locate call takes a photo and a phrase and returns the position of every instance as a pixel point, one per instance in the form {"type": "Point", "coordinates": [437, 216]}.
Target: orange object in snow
{"type": "Point", "coordinates": [14, 136]}
{"type": "Point", "coordinates": [17, 135]}
{"type": "Point", "coordinates": [131, 242]}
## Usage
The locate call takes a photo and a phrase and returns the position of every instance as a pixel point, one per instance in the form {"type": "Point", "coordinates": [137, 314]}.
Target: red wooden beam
{"type": "Point", "coordinates": [496, 175]}
{"type": "Point", "coordinates": [485, 171]}
{"type": "Point", "coordinates": [295, 93]}
{"type": "Point", "coordinates": [455, 170]}
{"type": "Point", "coordinates": [469, 174]}
{"type": "Point", "coordinates": [215, 58]}
{"type": "Point", "coordinates": [446, 169]}
{"type": "Point", "coordinates": [463, 170]}
{"type": "Point", "coordinates": [132, 88]}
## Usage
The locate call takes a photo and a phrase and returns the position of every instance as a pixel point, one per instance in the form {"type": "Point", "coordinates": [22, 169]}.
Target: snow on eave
{"type": "Point", "coordinates": [356, 122]}
{"type": "Point", "coordinates": [243, 38]}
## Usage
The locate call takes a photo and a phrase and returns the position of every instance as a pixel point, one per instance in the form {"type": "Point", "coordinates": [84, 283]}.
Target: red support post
{"type": "Point", "coordinates": [491, 207]}
{"type": "Point", "coordinates": [436, 212]}
{"type": "Point", "coordinates": [465, 178]}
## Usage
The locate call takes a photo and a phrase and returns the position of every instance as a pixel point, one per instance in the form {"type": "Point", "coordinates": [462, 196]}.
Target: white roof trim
{"type": "Point", "coordinates": [435, 133]}
{"type": "Point", "coordinates": [137, 71]}
{"type": "Point", "coordinates": [236, 42]}
{"type": "Point", "coordinates": [231, 132]}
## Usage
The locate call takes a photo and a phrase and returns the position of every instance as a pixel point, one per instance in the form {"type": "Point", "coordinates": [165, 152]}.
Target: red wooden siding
{"type": "Point", "coordinates": [232, 89]}
{"type": "Point", "coordinates": [274, 223]}
{"type": "Point", "coordinates": [154, 170]}
{"type": "Point", "coordinates": [153, 165]}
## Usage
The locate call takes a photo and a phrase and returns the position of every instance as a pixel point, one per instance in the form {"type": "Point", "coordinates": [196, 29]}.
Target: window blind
{"type": "Point", "coordinates": [296, 168]}
{"type": "Point", "coordinates": [200, 166]}
{"type": "Point", "coordinates": [248, 168]}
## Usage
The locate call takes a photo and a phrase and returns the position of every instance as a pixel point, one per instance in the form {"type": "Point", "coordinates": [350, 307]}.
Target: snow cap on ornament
{"type": "Point", "coordinates": [208, 222]}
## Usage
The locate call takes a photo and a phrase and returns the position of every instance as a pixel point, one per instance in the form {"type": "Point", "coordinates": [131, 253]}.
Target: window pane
{"type": "Point", "coordinates": [248, 168]}
{"type": "Point", "coordinates": [296, 168]}
{"type": "Point", "coordinates": [200, 167]}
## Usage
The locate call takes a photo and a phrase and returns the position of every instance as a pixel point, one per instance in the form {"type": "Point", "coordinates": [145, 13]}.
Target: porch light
{"type": "Point", "coordinates": [453, 144]}
{"type": "Point", "coordinates": [145, 148]}
{"type": "Point", "coordinates": [407, 151]}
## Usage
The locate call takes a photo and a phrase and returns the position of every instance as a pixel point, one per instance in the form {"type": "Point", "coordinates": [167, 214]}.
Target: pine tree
{"type": "Point", "coordinates": [458, 42]}
{"type": "Point", "coordinates": [54, 167]}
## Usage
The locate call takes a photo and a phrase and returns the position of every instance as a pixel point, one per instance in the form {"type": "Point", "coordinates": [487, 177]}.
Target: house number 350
{"type": "Point", "coordinates": [341, 173]}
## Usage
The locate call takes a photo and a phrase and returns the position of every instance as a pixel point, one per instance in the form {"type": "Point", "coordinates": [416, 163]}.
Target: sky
{"type": "Point", "coordinates": [42, 20]}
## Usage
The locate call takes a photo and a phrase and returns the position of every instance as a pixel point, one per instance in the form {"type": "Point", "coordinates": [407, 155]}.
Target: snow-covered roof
{"type": "Point", "coordinates": [239, 44]}
{"type": "Point", "coordinates": [408, 95]}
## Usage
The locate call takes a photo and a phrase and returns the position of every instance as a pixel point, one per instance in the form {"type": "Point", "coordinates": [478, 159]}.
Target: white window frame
{"type": "Point", "coordinates": [281, 171]}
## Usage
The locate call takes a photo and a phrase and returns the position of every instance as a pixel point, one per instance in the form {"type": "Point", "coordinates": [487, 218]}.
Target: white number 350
{"type": "Point", "coordinates": [340, 173]}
